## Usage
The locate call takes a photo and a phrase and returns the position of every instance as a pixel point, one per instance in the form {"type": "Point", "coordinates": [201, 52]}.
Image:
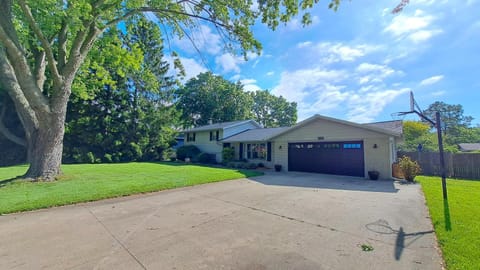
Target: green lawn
{"type": "Point", "coordinates": [458, 228]}
{"type": "Point", "coordinates": [90, 182]}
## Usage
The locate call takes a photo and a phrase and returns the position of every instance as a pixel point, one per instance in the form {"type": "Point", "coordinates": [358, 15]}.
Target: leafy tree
{"type": "Point", "coordinates": [43, 44]}
{"type": "Point", "coordinates": [127, 116]}
{"type": "Point", "coordinates": [211, 97]}
{"type": "Point", "coordinates": [416, 133]}
{"type": "Point", "coordinates": [451, 116]}
{"type": "Point", "coordinates": [273, 111]}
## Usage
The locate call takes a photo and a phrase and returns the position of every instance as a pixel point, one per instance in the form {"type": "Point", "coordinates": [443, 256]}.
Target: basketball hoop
{"type": "Point", "coordinates": [398, 116]}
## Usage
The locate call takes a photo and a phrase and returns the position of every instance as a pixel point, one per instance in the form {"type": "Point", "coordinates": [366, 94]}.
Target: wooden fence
{"type": "Point", "coordinates": [458, 165]}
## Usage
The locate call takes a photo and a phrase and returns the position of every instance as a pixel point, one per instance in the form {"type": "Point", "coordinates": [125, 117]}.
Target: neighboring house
{"type": "Point", "coordinates": [209, 138]}
{"type": "Point", "coordinates": [469, 147]}
{"type": "Point", "coordinates": [318, 144]}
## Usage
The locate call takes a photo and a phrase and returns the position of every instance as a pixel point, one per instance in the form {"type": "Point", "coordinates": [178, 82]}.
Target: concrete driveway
{"type": "Point", "coordinates": [276, 221]}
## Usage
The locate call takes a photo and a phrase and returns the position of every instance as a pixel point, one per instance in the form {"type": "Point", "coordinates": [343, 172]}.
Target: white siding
{"type": "Point", "coordinates": [202, 141]}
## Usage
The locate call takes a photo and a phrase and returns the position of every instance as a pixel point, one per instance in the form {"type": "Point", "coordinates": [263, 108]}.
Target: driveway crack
{"type": "Point", "coordinates": [120, 243]}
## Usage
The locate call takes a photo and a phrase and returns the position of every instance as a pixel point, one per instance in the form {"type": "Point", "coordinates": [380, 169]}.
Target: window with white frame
{"type": "Point", "coordinates": [256, 151]}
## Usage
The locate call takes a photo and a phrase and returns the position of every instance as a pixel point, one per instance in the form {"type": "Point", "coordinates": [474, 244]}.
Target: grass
{"type": "Point", "coordinates": [91, 182]}
{"type": "Point", "coordinates": [457, 221]}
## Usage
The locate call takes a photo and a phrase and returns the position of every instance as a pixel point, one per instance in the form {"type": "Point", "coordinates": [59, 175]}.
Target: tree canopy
{"type": "Point", "coordinates": [43, 44]}
{"type": "Point", "coordinates": [456, 128]}
{"type": "Point", "coordinates": [211, 97]}
{"type": "Point", "coordinates": [452, 116]}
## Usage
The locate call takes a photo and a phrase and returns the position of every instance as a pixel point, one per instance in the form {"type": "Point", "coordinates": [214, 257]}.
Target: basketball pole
{"type": "Point", "coordinates": [442, 158]}
{"type": "Point", "coordinates": [438, 125]}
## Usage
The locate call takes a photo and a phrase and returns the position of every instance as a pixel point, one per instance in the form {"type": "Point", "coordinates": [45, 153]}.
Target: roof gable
{"type": "Point", "coordinates": [317, 117]}
{"type": "Point", "coordinates": [255, 135]}
{"type": "Point", "coordinates": [223, 126]}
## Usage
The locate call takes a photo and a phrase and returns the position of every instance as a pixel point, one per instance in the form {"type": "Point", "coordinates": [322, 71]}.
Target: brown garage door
{"type": "Point", "coordinates": [342, 158]}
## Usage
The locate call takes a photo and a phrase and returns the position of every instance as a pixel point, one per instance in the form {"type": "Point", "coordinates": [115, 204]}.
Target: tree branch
{"type": "Point", "coordinates": [164, 11]}
{"type": "Point", "coordinates": [43, 40]}
{"type": "Point", "coordinates": [23, 74]}
{"type": "Point", "coordinates": [7, 133]}
{"type": "Point", "coordinates": [9, 82]}
{"type": "Point", "coordinates": [39, 69]}
{"type": "Point", "coordinates": [62, 45]}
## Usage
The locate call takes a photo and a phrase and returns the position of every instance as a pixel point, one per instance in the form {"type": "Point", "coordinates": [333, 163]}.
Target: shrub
{"type": "Point", "coordinates": [169, 154]}
{"type": "Point", "coordinates": [107, 158]}
{"type": "Point", "coordinates": [90, 158]}
{"type": "Point", "coordinates": [410, 168]}
{"type": "Point", "coordinates": [251, 166]}
{"type": "Point", "coordinates": [206, 158]}
{"type": "Point", "coordinates": [228, 154]}
{"type": "Point", "coordinates": [261, 165]}
{"type": "Point", "coordinates": [190, 151]}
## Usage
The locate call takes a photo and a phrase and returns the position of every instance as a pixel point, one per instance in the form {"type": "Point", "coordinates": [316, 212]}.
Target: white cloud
{"type": "Point", "coordinates": [204, 39]}
{"type": "Point", "coordinates": [228, 62]}
{"type": "Point", "coordinates": [431, 80]}
{"type": "Point", "coordinates": [251, 88]}
{"type": "Point", "coordinates": [304, 44]}
{"type": "Point", "coordinates": [314, 90]}
{"type": "Point", "coordinates": [295, 24]}
{"type": "Point", "coordinates": [270, 73]}
{"type": "Point", "coordinates": [248, 81]}
{"type": "Point", "coordinates": [439, 93]}
{"type": "Point", "coordinates": [373, 73]}
{"type": "Point", "coordinates": [358, 92]}
{"type": "Point", "coordinates": [417, 28]}
{"type": "Point", "coordinates": [339, 52]}
{"type": "Point", "coordinates": [231, 63]}
{"type": "Point", "coordinates": [364, 108]}
{"type": "Point", "coordinates": [404, 24]}
{"type": "Point", "coordinates": [423, 35]}
{"type": "Point", "coordinates": [191, 66]}
{"type": "Point", "coordinates": [235, 77]}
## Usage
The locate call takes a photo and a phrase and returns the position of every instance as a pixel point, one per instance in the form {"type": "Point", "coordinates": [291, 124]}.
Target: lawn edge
{"type": "Point", "coordinates": [438, 247]}
{"type": "Point", "coordinates": [121, 196]}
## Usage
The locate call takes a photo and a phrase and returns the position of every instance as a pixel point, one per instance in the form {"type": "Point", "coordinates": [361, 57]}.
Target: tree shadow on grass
{"type": "Point", "coordinates": [5, 182]}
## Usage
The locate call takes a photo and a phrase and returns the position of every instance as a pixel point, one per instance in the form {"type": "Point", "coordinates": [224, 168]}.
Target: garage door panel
{"type": "Point", "coordinates": [342, 158]}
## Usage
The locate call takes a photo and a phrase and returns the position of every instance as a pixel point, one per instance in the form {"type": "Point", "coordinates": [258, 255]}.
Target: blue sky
{"type": "Point", "coordinates": [360, 62]}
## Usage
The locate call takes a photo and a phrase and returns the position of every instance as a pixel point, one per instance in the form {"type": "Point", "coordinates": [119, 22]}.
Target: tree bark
{"type": "Point", "coordinates": [45, 148]}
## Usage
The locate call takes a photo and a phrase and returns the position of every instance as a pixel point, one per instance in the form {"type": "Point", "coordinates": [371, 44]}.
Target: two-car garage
{"type": "Point", "coordinates": [342, 158]}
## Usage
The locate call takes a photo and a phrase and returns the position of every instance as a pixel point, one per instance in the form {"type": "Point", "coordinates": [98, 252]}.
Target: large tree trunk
{"type": "Point", "coordinates": [45, 147]}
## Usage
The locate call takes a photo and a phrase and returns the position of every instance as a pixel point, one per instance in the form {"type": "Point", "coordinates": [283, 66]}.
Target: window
{"type": "Point", "coordinates": [331, 146]}
{"type": "Point", "coordinates": [352, 146]}
{"type": "Point", "coordinates": [256, 151]}
{"type": "Point", "coordinates": [214, 136]}
{"type": "Point", "coordinates": [191, 137]}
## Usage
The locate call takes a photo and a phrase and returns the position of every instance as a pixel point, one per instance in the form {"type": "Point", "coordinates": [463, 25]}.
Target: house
{"type": "Point", "coordinates": [318, 144]}
{"type": "Point", "coordinates": [469, 147]}
{"type": "Point", "coordinates": [208, 138]}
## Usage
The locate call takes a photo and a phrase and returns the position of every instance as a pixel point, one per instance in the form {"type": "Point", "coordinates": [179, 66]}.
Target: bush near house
{"type": "Point", "coordinates": [228, 154]}
{"type": "Point", "coordinates": [205, 158]}
{"type": "Point", "coordinates": [190, 151]}
{"type": "Point", "coordinates": [409, 168]}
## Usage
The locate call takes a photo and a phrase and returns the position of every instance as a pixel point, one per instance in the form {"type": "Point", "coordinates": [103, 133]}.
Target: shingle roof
{"type": "Point", "coordinates": [469, 146]}
{"type": "Point", "coordinates": [394, 126]}
{"type": "Point", "coordinates": [216, 126]}
{"type": "Point", "coordinates": [255, 135]}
